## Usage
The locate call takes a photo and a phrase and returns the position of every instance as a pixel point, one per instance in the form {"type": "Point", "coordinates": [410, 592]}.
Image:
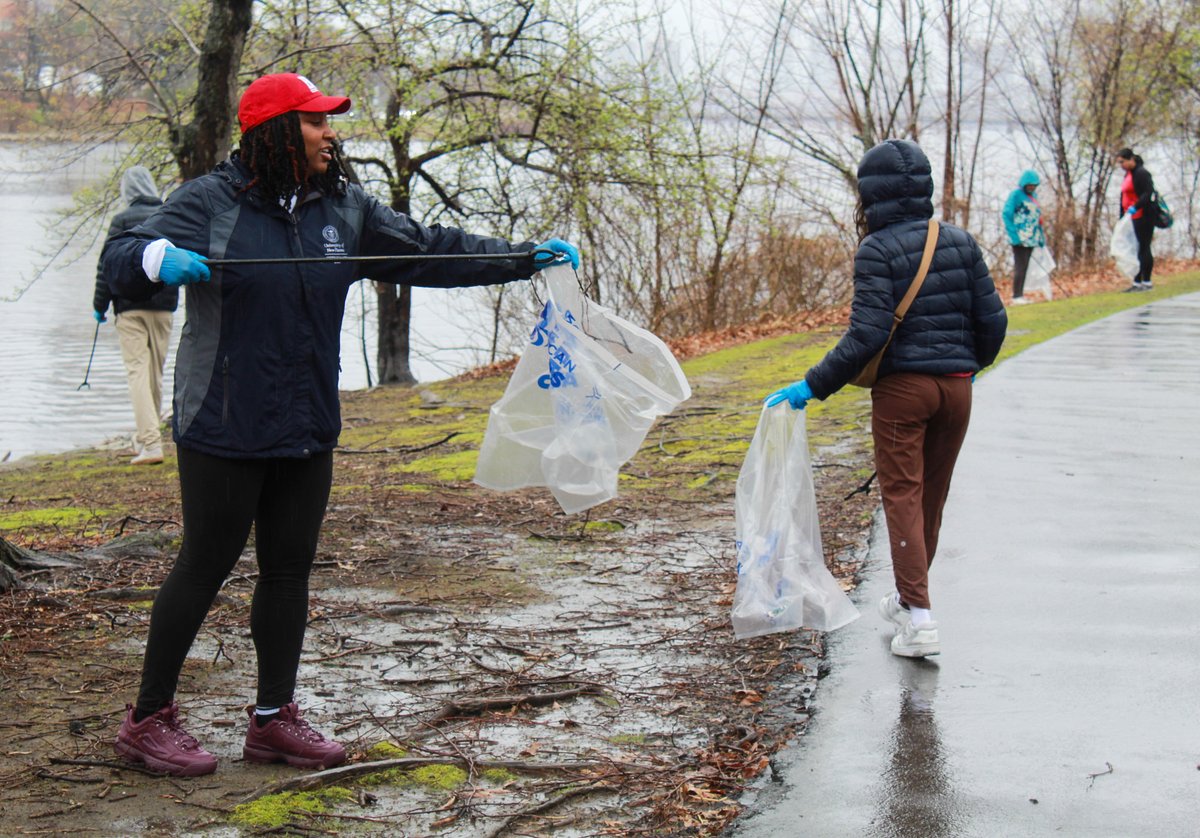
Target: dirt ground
{"type": "Point", "coordinates": [494, 666]}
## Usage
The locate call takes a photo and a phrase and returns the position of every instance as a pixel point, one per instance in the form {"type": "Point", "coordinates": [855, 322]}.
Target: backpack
{"type": "Point", "coordinates": [1164, 218]}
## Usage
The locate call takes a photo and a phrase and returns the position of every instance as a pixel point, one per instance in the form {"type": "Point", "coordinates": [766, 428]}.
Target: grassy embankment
{"type": "Point", "coordinates": [81, 496]}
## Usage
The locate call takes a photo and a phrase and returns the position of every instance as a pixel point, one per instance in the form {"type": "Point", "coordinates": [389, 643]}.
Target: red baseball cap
{"type": "Point", "coordinates": [269, 96]}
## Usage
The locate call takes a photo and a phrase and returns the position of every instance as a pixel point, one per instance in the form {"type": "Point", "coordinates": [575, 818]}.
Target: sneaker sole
{"type": "Point", "coordinates": [132, 754]}
{"type": "Point", "coordinates": [265, 756]}
{"type": "Point", "coordinates": [924, 651]}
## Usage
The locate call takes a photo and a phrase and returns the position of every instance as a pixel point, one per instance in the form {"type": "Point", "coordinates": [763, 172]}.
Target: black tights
{"type": "Point", "coordinates": [285, 501]}
{"type": "Point", "coordinates": [1020, 268]}
{"type": "Point", "coordinates": [1143, 228]}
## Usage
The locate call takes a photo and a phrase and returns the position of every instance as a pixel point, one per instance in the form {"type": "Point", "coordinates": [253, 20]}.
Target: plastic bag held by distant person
{"type": "Point", "coordinates": [1037, 277]}
{"type": "Point", "coordinates": [782, 580]}
{"type": "Point", "coordinates": [579, 404]}
{"type": "Point", "coordinates": [1124, 247]}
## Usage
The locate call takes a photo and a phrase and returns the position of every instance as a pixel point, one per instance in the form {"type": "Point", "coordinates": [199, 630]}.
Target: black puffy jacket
{"type": "Point", "coordinates": [256, 373]}
{"type": "Point", "coordinates": [957, 322]}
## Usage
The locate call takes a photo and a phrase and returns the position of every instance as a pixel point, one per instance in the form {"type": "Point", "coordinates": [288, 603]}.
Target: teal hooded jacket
{"type": "Point", "coordinates": [1023, 214]}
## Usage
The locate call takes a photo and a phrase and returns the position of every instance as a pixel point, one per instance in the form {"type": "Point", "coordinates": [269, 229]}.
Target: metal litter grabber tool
{"type": "Point", "coordinates": [411, 257]}
{"type": "Point", "coordinates": [95, 335]}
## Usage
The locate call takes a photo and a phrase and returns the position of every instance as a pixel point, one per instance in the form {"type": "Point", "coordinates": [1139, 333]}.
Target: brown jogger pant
{"type": "Point", "coordinates": [919, 423]}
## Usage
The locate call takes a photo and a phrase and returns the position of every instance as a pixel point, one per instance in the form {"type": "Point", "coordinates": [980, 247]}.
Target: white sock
{"type": "Point", "coordinates": [265, 711]}
{"type": "Point", "coordinates": [919, 615]}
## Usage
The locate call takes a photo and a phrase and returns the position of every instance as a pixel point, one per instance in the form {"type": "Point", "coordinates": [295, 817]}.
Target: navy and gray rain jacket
{"type": "Point", "coordinates": [256, 373]}
{"type": "Point", "coordinates": [957, 322]}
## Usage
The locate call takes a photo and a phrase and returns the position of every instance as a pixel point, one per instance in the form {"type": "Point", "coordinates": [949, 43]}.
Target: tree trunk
{"type": "Point", "coordinates": [949, 205]}
{"type": "Point", "coordinates": [395, 319]}
{"type": "Point", "coordinates": [202, 144]}
{"type": "Point", "coordinates": [12, 559]}
{"type": "Point", "coordinates": [8, 579]}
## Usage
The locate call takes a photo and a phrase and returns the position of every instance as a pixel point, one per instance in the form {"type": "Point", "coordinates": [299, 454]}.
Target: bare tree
{"type": "Point", "coordinates": [855, 76]}
{"type": "Point", "coordinates": [970, 30]}
{"type": "Point", "coordinates": [440, 84]}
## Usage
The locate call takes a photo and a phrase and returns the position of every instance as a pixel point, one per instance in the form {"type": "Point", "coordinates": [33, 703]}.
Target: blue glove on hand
{"type": "Point", "coordinates": [1131, 210]}
{"type": "Point", "coordinates": [181, 267]}
{"type": "Point", "coordinates": [797, 395]}
{"type": "Point", "coordinates": [554, 251]}
{"type": "Point", "coordinates": [99, 316]}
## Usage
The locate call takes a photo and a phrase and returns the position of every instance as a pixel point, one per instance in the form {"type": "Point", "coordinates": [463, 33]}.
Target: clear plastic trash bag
{"type": "Point", "coordinates": [1124, 247]}
{"type": "Point", "coordinates": [782, 580]}
{"type": "Point", "coordinates": [579, 404]}
{"type": "Point", "coordinates": [1037, 277]}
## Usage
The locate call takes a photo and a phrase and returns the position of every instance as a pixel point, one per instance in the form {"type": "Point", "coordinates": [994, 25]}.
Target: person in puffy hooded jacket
{"type": "Point", "coordinates": [1023, 222]}
{"type": "Point", "coordinates": [256, 414]}
{"type": "Point", "coordinates": [143, 325]}
{"type": "Point", "coordinates": [921, 400]}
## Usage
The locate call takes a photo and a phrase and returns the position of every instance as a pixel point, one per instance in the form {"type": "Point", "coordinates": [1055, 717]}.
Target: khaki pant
{"type": "Point", "coordinates": [918, 423]}
{"type": "Point", "coordinates": [144, 338]}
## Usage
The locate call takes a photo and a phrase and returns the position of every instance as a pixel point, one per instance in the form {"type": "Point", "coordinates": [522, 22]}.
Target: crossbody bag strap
{"type": "Point", "coordinates": [926, 258]}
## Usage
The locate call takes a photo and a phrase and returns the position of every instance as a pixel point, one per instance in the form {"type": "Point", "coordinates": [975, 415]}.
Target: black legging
{"type": "Point", "coordinates": [1143, 228]}
{"type": "Point", "coordinates": [1020, 268]}
{"type": "Point", "coordinates": [285, 501]}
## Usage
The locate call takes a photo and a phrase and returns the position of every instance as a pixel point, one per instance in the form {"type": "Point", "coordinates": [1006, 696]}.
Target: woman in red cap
{"type": "Point", "coordinates": [256, 414]}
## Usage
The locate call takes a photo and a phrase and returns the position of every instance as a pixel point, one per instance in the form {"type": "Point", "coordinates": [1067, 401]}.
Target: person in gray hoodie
{"type": "Point", "coordinates": [144, 326]}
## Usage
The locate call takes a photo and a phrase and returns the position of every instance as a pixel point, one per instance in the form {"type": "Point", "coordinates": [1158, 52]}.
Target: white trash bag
{"type": "Point", "coordinates": [1124, 247]}
{"type": "Point", "coordinates": [580, 401]}
{"type": "Point", "coordinates": [1037, 277]}
{"type": "Point", "coordinates": [782, 580]}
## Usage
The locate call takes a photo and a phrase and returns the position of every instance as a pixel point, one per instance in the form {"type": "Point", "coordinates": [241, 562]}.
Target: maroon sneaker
{"type": "Point", "coordinates": [288, 738]}
{"type": "Point", "coordinates": [159, 742]}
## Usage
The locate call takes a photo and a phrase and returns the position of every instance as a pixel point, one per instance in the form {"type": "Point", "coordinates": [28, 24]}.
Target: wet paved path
{"type": "Point", "coordinates": [1067, 588]}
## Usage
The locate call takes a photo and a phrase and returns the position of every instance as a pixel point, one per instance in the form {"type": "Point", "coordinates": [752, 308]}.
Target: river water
{"type": "Point", "coordinates": [46, 325]}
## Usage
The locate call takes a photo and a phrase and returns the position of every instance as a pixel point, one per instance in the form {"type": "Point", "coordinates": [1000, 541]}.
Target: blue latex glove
{"type": "Point", "coordinates": [182, 267]}
{"type": "Point", "coordinates": [555, 250]}
{"type": "Point", "coordinates": [797, 395]}
{"type": "Point", "coordinates": [99, 316]}
{"type": "Point", "coordinates": [1131, 210]}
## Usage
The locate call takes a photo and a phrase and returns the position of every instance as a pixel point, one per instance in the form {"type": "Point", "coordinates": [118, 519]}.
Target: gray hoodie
{"type": "Point", "coordinates": [140, 195]}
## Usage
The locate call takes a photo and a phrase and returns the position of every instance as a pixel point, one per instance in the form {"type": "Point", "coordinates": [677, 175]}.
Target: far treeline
{"type": "Point", "coordinates": [705, 164]}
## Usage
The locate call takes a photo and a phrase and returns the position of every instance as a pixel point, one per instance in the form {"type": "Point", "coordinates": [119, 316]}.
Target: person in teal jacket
{"type": "Point", "coordinates": [1023, 223]}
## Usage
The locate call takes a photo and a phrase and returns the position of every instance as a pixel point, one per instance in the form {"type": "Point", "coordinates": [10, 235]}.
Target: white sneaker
{"type": "Point", "coordinates": [916, 641]}
{"type": "Point", "coordinates": [147, 457]}
{"type": "Point", "coordinates": [892, 611]}
{"type": "Point", "coordinates": [1019, 301]}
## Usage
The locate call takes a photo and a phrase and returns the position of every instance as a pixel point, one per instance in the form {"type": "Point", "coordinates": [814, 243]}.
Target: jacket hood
{"type": "Point", "coordinates": [1028, 178]}
{"type": "Point", "coordinates": [895, 183]}
{"type": "Point", "coordinates": [137, 182]}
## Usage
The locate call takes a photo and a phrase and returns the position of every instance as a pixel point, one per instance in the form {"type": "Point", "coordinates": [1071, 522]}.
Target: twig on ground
{"type": "Point", "coordinates": [108, 763]}
{"type": "Point", "coordinates": [864, 489]}
{"type": "Point", "coordinates": [344, 773]}
{"type": "Point", "coordinates": [544, 807]}
{"type": "Point", "coordinates": [1096, 774]}
{"type": "Point", "coordinates": [405, 449]}
{"type": "Point", "coordinates": [475, 706]}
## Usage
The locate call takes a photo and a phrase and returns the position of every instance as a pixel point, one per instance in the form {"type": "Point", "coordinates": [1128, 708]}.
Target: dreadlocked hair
{"type": "Point", "coordinates": [274, 152]}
